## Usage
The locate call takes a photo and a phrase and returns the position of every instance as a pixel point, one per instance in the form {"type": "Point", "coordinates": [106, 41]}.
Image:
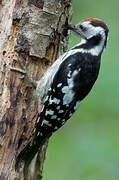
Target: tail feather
{"type": "Point", "coordinates": [28, 153]}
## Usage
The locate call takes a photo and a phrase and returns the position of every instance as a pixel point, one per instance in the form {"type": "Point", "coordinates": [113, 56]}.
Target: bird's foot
{"type": "Point", "coordinates": [23, 71]}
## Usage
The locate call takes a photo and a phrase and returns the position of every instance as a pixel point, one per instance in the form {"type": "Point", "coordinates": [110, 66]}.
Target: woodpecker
{"type": "Point", "coordinates": [66, 83]}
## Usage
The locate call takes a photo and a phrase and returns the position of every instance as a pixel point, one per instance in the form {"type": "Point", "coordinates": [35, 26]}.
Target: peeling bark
{"type": "Point", "coordinates": [33, 30]}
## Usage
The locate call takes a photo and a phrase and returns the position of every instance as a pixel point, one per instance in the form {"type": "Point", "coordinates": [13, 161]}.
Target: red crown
{"type": "Point", "coordinates": [92, 19]}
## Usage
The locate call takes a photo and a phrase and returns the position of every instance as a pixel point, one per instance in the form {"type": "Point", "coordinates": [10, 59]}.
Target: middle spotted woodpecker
{"type": "Point", "coordinates": [67, 82]}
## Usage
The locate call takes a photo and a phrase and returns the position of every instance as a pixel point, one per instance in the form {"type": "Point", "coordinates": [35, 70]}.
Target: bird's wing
{"type": "Point", "coordinates": [61, 100]}
{"type": "Point", "coordinates": [45, 83]}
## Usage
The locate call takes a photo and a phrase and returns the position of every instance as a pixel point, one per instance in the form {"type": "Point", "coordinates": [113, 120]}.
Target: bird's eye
{"type": "Point", "coordinates": [82, 28]}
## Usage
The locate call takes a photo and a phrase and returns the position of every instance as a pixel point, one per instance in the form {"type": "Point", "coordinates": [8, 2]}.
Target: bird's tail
{"type": "Point", "coordinates": [28, 153]}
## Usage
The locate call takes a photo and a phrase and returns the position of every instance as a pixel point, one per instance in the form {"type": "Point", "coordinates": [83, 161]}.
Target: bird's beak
{"type": "Point", "coordinates": [77, 30]}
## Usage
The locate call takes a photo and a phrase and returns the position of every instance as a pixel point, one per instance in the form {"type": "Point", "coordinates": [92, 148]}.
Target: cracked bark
{"type": "Point", "coordinates": [30, 29]}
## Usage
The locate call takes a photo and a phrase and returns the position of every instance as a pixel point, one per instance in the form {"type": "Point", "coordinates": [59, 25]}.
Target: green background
{"type": "Point", "coordinates": [87, 147]}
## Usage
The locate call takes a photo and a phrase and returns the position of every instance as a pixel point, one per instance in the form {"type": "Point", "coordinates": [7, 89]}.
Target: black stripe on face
{"type": "Point", "coordinates": [92, 42]}
{"type": "Point", "coordinates": [100, 24]}
{"type": "Point", "coordinates": [96, 23]}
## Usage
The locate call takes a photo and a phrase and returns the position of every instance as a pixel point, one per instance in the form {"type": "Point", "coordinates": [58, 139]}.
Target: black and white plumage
{"type": "Point", "coordinates": [67, 82]}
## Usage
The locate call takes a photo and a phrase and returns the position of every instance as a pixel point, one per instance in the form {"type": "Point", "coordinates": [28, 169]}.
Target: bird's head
{"type": "Point", "coordinates": [91, 29]}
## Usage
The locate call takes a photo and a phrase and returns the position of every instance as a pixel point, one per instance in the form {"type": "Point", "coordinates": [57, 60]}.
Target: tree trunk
{"type": "Point", "coordinates": [31, 29]}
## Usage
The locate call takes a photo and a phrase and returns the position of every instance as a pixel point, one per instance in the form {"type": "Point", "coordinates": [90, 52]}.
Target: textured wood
{"type": "Point", "coordinates": [33, 30]}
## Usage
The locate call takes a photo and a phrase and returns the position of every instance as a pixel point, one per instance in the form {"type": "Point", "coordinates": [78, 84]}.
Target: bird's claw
{"type": "Point", "coordinates": [23, 71]}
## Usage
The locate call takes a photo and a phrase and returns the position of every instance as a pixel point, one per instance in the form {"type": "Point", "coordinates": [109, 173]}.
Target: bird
{"type": "Point", "coordinates": [66, 83]}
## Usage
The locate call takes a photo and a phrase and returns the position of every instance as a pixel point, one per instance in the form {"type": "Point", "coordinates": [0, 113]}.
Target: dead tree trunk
{"type": "Point", "coordinates": [33, 30]}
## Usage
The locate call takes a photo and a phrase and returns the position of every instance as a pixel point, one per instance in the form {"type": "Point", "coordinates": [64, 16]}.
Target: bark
{"type": "Point", "coordinates": [33, 30]}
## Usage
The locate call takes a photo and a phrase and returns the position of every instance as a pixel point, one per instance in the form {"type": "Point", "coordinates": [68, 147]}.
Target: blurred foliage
{"type": "Point", "coordinates": [87, 147]}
